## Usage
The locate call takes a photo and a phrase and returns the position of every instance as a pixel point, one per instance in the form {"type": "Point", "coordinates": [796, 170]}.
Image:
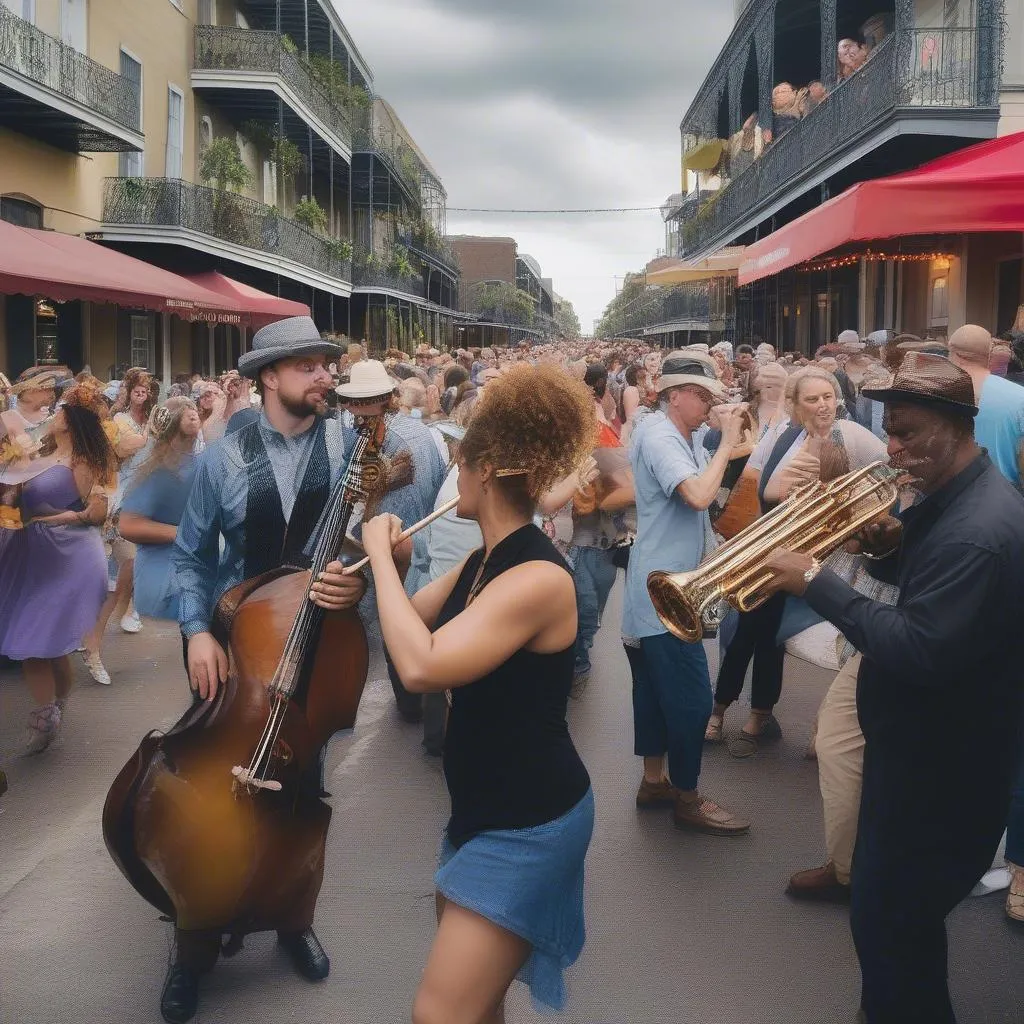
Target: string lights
{"type": "Point", "coordinates": [852, 259]}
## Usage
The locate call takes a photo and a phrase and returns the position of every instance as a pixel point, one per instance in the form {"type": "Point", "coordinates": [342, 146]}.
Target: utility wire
{"type": "Point", "coordinates": [610, 209]}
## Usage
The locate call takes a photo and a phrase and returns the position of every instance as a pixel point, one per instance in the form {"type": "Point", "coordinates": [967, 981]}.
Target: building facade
{"type": "Point", "coordinates": [808, 98]}
{"type": "Point", "coordinates": [238, 135]}
{"type": "Point", "coordinates": [504, 291]}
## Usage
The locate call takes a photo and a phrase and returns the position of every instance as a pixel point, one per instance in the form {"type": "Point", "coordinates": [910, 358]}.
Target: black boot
{"type": "Point", "coordinates": [180, 998]}
{"type": "Point", "coordinates": [307, 954]}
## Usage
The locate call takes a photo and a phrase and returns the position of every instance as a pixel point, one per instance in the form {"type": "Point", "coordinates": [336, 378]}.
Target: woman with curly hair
{"type": "Point", "coordinates": [498, 632]}
{"type": "Point", "coordinates": [155, 503]}
{"type": "Point", "coordinates": [58, 577]}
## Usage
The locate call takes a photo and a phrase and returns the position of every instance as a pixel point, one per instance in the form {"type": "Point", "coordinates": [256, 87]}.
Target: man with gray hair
{"type": "Point", "coordinates": [676, 481]}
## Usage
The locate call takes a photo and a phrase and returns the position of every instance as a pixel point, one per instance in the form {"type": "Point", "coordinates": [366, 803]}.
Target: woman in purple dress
{"type": "Point", "coordinates": [58, 578]}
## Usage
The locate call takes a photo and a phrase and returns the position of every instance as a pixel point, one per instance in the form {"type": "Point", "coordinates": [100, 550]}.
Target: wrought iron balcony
{"type": "Point", "coordinates": [235, 60]}
{"type": "Point", "coordinates": [179, 206]}
{"type": "Point", "coordinates": [430, 250]}
{"type": "Point", "coordinates": [371, 270]}
{"type": "Point", "coordinates": [50, 91]}
{"type": "Point", "coordinates": [696, 305]}
{"type": "Point", "coordinates": [389, 149]}
{"type": "Point", "coordinates": [946, 79]}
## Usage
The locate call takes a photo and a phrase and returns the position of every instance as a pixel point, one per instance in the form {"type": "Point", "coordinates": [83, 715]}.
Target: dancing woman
{"type": "Point", "coordinates": [57, 570]}
{"type": "Point", "coordinates": [499, 633]}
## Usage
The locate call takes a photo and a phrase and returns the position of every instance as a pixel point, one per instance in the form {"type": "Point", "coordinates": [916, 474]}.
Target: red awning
{"type": "Point", "coordinates": [977, 189]}
{"type": "Point", "coordinates": [66, 267]}
{"type": "Point", "coordinates": [263, 308]}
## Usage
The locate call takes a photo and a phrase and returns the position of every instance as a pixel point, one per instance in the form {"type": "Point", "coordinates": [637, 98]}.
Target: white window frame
{"type": "Point", "coordinates": [24, 9]}
{"type": "Point", "coordinates": [212, 18]}
{"type": "Point", "coordinates": [135, 156]}
{"type": "Point", "coordinates": [173, 90]}
{"type": "Point", "coordinates": [205, 131]}
{"type": "Point", "coordinates": [64, 26]}
{"type": "Point", "coordinates": [148, 337]}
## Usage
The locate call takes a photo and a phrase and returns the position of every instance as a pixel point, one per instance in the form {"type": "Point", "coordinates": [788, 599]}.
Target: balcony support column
{"type": "Point", "coordinates": [305, 23]}
{"type": "Point", "coordinates": [211, 349]}
{"type": "Point", "coordinates": [764, 46]}
{"type": "Point", "coordinates": [165, 350]}
{"type": "Point", "coordinates": [829, 41]}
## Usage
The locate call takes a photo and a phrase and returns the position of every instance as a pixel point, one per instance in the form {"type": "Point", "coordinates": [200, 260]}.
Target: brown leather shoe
{"type": "Point", "coordinates": [708, 818]}
{"type": "Point", "coordinates": [819, 885]}
{"type": "Point", "coordinates": [655, 794]}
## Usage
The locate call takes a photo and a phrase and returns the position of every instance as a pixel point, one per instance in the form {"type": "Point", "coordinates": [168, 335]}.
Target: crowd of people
{"type": "Point", "coordinates": [571, 462]}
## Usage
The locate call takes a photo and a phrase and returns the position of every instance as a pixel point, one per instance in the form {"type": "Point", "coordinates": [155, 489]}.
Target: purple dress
{"type": "Point", "coordinates": [56, 576]}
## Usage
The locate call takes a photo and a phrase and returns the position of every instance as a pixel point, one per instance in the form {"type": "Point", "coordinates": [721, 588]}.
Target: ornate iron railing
{"type": "Point", "coordinates": [371, 270]}
{"type": "Point", "coordinates": [249, 50]}
{"type": "Point", "coordinates": [384, 143]}
{"type": "Point", "coordinates": [921, 68]}
{"type": "Point", "coordinates": [49, 62]}
{"type": "Point", "coordinates": [709, 302]}
{"type": "Point", "coordinates": [438, 253]}
{"type": "Point", "coordinates": [171, 202]}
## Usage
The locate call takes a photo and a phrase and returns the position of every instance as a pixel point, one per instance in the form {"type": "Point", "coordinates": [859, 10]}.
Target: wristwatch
{"type": "Point", "coordinates": [812, 571]}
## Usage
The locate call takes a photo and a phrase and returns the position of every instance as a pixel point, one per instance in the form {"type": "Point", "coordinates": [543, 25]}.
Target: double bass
{"type": "Point", "coordinates": [220, 823]}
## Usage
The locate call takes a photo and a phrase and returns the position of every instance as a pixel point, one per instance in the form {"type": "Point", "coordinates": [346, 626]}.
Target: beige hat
{"type": "Point", "coordinates": [971, 340]}
{"type": "Point", "coordinates": [368, 379]}
{"type": "Point", "coordinates": [693, 368]}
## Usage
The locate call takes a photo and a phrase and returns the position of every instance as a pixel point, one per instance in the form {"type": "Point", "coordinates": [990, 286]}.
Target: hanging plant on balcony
{"type": "Point", "coordinates": [332, 76]}
{"type": "Point", "coordinates": [221, 166]}
{"type": "Point", "coordinates": [310, 214]}
{"type": "Point", "coordinates": [339, 249]}
{"type": "Point", "coordinates": [288, 44]}
{"type": "Point", "coordinates": [281, 151]}
{"type": "Point", "coordinates": [399, 263]}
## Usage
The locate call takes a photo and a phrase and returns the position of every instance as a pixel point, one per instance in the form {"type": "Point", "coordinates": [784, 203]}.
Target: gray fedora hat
{"type": "Point", "coordinates": [285, 339]}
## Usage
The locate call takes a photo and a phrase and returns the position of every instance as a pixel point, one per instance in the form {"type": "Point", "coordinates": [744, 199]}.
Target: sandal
{"type": "Point", "coordinates": [713, 733]}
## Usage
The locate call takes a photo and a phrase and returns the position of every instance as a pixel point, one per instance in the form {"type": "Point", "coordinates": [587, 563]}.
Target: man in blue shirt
{"type": "Point", "coordinates": [262, 489]}
{"type": "Point", "coordinates": [999, 426]}
{"type": "Point", "coordinates": [676, 481]}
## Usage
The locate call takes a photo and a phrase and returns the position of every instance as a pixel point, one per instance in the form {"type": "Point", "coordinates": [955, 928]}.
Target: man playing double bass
{"type": "Point", "coordinates": [262, 489]}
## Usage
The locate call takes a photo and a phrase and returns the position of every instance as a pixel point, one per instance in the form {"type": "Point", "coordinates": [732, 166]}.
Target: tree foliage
{"type": "Point", "coordinates": [503, 303]}
{"type": "Point", "coordinates": [623, 309]}
{"type": "Point", "coordinates": [222, 166]}
{"type": "Point", "coordinates": [566, 319]}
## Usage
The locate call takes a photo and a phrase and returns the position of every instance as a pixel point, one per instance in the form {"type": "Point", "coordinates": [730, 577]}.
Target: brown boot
{"type": "Point", "coordinates": [1015, 897]}
{"type": "Point", "coordinates": [819, 885]}
{"type": "Point", "coordinates": [700, 815]}
{"type": "Point", "coordinates": [655, 794]}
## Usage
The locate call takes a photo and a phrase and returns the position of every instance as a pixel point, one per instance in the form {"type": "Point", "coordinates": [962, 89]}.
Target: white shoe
{"type": "Point", "coordinates": [96, 669]}
{"type": "Point", "coordinates": [131, 623]}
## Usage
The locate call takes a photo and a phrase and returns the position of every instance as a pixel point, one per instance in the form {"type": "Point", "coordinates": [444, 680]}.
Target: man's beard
{"type": "Point", "coordinates": [309, 405]}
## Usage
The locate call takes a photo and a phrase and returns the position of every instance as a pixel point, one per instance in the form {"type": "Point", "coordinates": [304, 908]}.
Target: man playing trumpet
{"type": "Point", "coordinates": [939, 690]}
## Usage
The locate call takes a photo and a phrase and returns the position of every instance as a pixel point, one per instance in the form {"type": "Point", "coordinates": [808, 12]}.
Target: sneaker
{"type": "Point", "coordinates": [706, 817]}
{"type": "Point", "coordinates": [96, 669]}
{"type": "Point", "coordinates": [1015, 898]}
{"type": "Point", "coordinates": [131, 623]}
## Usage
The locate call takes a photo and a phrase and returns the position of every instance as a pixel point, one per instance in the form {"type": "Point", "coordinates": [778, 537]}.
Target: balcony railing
{"type": "Point", "coordinates": [375, 271]}
{"type": "Point", "coordinates": [48, 62]}
{"type": "Point", "coordinates": [924, 69]}
{"type": "Point", "coordinates": [257, 52]}
{"type": "Point", "coordinates": [439, 253]}
{"type": "Point", "coordinates": [173, 203]}
{"type": "Point", "coordinates": [696, 302]}
{"type": "Point", "coordinates": [368, 137]}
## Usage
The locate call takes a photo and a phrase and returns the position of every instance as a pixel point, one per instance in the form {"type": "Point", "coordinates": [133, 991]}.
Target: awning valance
{"type": "Point", "coordinates": [977, 189]}
{"type": "Point", "coordinates": [723, 263]}
{"type": "Point", "coordinates": [262, 307]}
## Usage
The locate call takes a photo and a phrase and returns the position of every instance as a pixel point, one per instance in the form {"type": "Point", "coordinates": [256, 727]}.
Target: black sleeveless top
{"type": "Point", "coordinates": [508, 759]}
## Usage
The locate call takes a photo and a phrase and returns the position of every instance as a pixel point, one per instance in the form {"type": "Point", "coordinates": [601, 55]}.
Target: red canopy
{"type": "Point", "coordinates": [980, 188]}
{"type": "Point", "coordinates": [263, 308]}
{"type": "Point", "coordinates": [65, 267]}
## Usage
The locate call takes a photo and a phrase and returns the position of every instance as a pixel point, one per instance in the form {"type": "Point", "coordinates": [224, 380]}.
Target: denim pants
{"type": "Point", "coordinates": [1015, 827]}
{"type": "Point", "coordinates": [594, 576]}
{"type": "Point", "coordinates": [671, 704]}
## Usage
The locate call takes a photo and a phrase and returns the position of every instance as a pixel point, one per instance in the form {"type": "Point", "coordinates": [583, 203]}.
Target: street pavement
{"type": "Point", "coordinates": [682, 929]}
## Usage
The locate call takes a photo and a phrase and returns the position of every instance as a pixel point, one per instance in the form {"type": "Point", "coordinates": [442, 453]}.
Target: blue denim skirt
{"type": "Point", "coordinates": [528, 881]}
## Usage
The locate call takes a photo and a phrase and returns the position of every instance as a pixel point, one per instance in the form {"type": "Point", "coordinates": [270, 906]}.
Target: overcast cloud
{"type": "Point", "coordinates": [548, 104]}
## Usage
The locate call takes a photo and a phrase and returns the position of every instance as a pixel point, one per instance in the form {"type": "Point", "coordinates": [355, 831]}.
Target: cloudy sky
{"type": "Point", "coordinates": [548, 104]}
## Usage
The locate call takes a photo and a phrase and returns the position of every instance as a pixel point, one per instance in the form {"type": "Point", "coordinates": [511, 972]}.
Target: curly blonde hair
{"type": "Point", "coordinates": [534, 425]}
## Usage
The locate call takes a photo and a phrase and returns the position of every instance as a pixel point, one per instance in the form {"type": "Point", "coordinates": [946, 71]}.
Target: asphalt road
{"type": "Point", "coordinates": [682, 929]}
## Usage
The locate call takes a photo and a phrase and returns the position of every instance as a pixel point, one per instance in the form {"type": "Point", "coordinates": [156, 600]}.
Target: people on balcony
{"type": "Point", "coordinates": [851, 56]}
{"type": "Point", "coordinates": [787, 108]}
{"type": "Point", "coordinates": [745, 146]}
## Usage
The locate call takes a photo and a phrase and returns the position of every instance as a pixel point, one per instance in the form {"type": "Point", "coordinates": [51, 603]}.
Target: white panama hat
{"type": "Point", "coordinates": [368, 379]}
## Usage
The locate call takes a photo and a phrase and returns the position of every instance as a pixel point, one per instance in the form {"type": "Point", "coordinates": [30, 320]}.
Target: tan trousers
{"type": "Point", "coordinates": [840, 746]}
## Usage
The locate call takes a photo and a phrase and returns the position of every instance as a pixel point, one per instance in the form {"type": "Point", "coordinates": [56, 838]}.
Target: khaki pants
{"type": "Point", "coordinates": [840, 747]}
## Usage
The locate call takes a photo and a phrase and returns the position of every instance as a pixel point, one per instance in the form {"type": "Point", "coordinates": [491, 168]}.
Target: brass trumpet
{"type": "Point", "coordinates": [814, 520]}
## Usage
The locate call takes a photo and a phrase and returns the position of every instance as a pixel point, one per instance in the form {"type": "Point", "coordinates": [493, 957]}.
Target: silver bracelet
{"type": "Point", "coordinates": [881, 558]}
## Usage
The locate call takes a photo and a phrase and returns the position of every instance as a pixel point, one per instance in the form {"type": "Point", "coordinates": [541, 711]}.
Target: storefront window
{"type": "Point", "coordinates": [46, 333]}
{"type": "Point", "coordinates": [142, 341]}
{"type": "Point", "coordinates": [939, 306]}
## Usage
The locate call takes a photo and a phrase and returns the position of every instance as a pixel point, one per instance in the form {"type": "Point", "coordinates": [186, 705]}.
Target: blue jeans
{"type": "Point", "coordinates": [671, 705]}
{"type": "Point", "coordinates": [594, 577]}
{"type": "Point", "coordinates": [1015, 827]}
